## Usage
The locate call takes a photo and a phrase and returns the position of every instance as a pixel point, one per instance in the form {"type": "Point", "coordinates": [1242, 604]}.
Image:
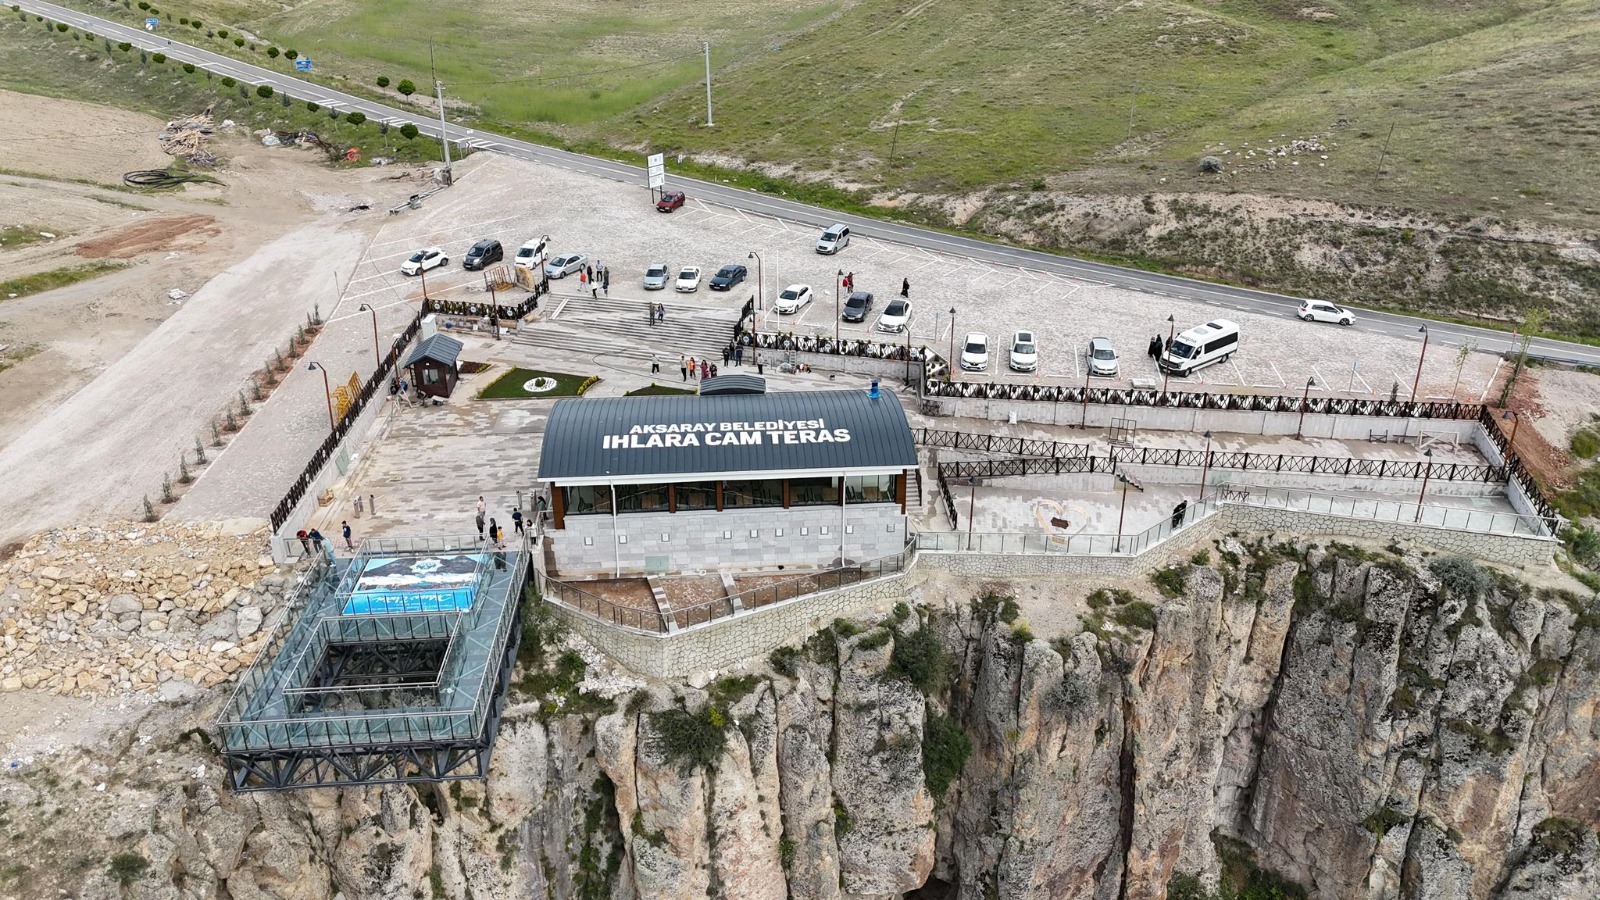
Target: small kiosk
{"type": "Point", "coordinates": [433, 367]}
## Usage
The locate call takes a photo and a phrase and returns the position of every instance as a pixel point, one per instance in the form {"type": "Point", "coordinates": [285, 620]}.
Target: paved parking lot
{"type": "Point", "coordinates": [616, 223]}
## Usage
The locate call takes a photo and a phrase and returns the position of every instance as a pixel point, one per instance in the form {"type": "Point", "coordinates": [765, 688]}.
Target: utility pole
{"type": "Point", "coordinates": [707, 46]}
{"type": "Point", "coordinates": [1132, 103]}
{"type": "Point", "coordinates": [444, 138]}
{"type": "Point", "coordinates": [1379, 173]}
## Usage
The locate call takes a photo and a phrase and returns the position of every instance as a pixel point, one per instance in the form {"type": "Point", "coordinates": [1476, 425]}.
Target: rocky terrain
{"type": "Point", "coordinates": [1328, 720]}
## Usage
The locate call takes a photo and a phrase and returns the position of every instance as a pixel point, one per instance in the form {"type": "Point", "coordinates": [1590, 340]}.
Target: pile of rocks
{"type": "Point", "coordinates": [155, 609]}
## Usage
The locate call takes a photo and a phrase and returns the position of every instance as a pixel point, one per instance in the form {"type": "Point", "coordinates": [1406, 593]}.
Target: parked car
{"type": "Point", "coordinates": [895, 316]}
{"type": "Point", "coordinates": [857, 306]}
{"type": "Point", "coordinates": [688, 280]}
{"type": "Point", "coordinates": [975, 352]}
{"type": "Point", "coordinates": [531, 254]}
{"type": "Point", "coordinates": [655, 277]}
{"type": "Point", "coordinates": [431, 258]}
{"type": "Point", "coordinates": [726, 278]}
{"type": "Point", "coordinates": [484, 253]}
{"type": "Point", "coordinates": [565, 265]}
{"type": "Point", "coordinates": [1024, 352]}
{"type": "Point", "coordinates": [1200, 346]}
{"type": "Point", "coordinates": [793, 299]}
{"type": "Point", "coordinates": [836, 238]}
{"type": "Point", "coordinates": [670, 201]}
{"type": "Point", "coordinates": [1318, 311]}
{"type": "Point", "coordinates": [1102, 358]}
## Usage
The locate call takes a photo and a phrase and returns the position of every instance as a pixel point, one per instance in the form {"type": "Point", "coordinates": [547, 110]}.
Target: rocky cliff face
{"type": "Point", "coordinates": [1345, 722]}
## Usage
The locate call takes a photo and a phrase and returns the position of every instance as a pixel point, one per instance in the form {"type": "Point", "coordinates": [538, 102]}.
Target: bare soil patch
{"type": "Point", "coordinates": [159, 235]}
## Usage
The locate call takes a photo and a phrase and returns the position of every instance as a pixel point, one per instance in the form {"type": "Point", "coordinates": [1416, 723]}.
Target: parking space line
{"type": "Point", "coordinates": [1277, 374]}
{"type": "Point", "coordinates": [1484, 394]}
{"type": "Point", "coordinates": [1321, 382]}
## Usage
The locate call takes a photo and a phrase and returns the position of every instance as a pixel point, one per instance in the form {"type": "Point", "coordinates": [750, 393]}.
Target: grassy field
{"type": "Point", "coordinates": [40, 282]}
{"type": "Point", "coordinates": [510, 386]}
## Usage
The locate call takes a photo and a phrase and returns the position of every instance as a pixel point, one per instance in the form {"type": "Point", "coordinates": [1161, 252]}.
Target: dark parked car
{"type": "Point", "coordinates": [857, 307]}
{"type": "Point", "coordinates": [727, 277]}
{"type": "Point", "coordinates": [483, 253]}
{"type": "Point", "coordinates": [669, 201]}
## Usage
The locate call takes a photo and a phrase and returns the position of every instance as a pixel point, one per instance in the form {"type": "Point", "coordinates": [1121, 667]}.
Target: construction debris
{"type": "Point", "coordinates": [185, 138]}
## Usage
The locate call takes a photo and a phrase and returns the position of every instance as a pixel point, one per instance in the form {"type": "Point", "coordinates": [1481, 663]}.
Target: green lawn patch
{"type": "Point", "coordinates": [525, 384]}
{"type": "Point", "coordinates": [13, 236]}
{"type": "Point", "coordinates": [657, 390]}
{"type": "Point", "coordinates": [40, 282]}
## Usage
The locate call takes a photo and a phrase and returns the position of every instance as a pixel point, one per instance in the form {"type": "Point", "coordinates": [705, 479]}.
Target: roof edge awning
{"type": "Point", "coordinates": [750, 475]}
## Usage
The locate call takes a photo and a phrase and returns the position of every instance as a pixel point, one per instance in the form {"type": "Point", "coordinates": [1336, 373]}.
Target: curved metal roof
{"type": "Point", "coordinates": [620, 439]}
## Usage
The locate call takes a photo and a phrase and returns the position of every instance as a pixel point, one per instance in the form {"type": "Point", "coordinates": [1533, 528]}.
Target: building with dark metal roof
{"type": "Point", "coordinates": [433, 365]}
{"type": "Point", "coordinates": [727, 479]}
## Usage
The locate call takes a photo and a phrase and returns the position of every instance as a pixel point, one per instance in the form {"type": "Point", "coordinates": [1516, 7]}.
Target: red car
{"type": "Point", "coordinates": [669, 201]}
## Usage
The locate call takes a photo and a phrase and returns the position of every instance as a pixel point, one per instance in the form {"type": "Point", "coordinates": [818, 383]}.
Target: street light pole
{"type": "Point", "coordinates": [1172, 330]}
{"type": "Point", "coordinates": [1511, 442]}
{"type": "Point", "coordinates": [327, 392]}
{"type": "Point", "coordinates": [1083, 419]}
{"type": "Point", "coordinates": [1121, 512]}
{"type": "Point", "coordinates": [952, 342]}
{"type": "Point", "coordinates": [423, 271]}
{"type": "Point", "coordinates": [377, 356]}
{"type": "Point", "coordinates": [1304, 399]}
{"type": "Point", "coordinates": [1426, 472]}
{"type": "Point", "coordinates": [1422, 356]}
{"type": "Point", "coordinates": [1205, 468]}
{"type": "Point", "coordinates": [838, 276]}
{"type": "Point", "coordinates": [760, 291]}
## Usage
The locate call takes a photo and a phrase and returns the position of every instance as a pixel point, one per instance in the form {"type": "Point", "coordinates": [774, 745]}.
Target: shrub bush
{"type": "Point", "coordinates": [238, 42]}
{"type": "Point", "coordinates": [228, 81]}
{"type": "Point", "coordinates": [693, 739]}
{"type": "Point", "coordinates": [408, 131]}
{"type": "Point", "coordinates": [196, 24]}
{"type": "Point", "coordinates": [406, 87]}
{"type": "Point", "coordinates": [188, 68]}
{"type": "Point", "coordinates": [1210, 164]}
{"type": "Point", "coordinates": [273, 52]}
{"type": "Point", "coordinates": [183, 20]}
{"type": "Point", "coordinates": [158, 58]}
{"type": "Point", "coordinates": [127, 867]}
{"type": "Point", "coordinates": [918, 658]}
{"type": "Point", "coordinates": [356, 118]}
{"type": "Point", "coordinates": [383, 81]}
{"type": "Point", "coordinates": [1586, 444]}
{"type": "Point", "coordinates": [61, 27]}
{"type": "Point", "coordinates": [1137, 614]}
{"type": "Point", "coordinates": [222, 33]}
{"type": "Point", "coordinates": [945, 748]}
{"type": "Point", "coordinates": [1461, 577]}
{"type": "Point", "coordinates": [264, 91]}
{"type": "Point", "coordinates": [124, 46]}
{"type": "Point", "coordinates": [312, 106]}
{"type": "Point", "coordinates": [144, 5]}
{"type": "Point", "coordinates": [291, 54]}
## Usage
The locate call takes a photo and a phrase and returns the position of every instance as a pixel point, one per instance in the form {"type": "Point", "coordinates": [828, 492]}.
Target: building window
{"type": "Point", "coordinates": [745, 494]}
{"type": "Point", "coordinates": [695, 495]}
{"type": "Point", "coordinates": [814, 492]}
{"type": "Point", "coordinates": [430, 375]}
{"type": "Point", "coordinates": [870, 488]}
{"type": "Point", "coordinates": [588, 499]}
{"type": "Point", "coordinates": [633, 498]}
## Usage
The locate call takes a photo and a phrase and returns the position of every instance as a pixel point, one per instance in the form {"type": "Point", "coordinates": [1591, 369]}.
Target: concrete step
{"type": "Point", "coordinates": [679, 306]}
{"type": "Point", "coordinates": [666, 342]}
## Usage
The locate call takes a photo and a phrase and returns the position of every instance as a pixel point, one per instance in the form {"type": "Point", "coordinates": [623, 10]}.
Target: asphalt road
{"type": "Point", "coordinates": [1156, 285]}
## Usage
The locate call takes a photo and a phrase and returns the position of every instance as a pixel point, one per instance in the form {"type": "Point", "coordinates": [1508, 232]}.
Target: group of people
{"type": "Point", "coordinates": [312, 541]}
{"type": "Point", "coordinates": [657, 313]}
{"type": "Point", "coordinates": [1158, 345]}
{"type": "Point", "coordinates": [597, 277]}
{"type": "Point", "coordinates": [689, 367]}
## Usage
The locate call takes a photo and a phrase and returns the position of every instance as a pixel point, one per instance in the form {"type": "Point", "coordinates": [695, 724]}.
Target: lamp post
{"type": "Point", "coordinates": [1121, 512]}
{"type": "Point", "coordinates": [972, 505]}
{"type": "Point", "coordinates": [1083, 418]}
{"type": "Point", "coordinates": [1205, 467]}
{"type": "Point", "coordinates": [908, 356]}
{"type": "Point", "coordinates": [1172, 330]}
{"type": "Point", "coordinates": [327, 392]}
{"type": "Point", "coordinates": [837, 279]}
{"type": "Point", "coordinates": [952, 342]}
{"type": "Point", "coordinates": [1425, 473]}
{"type": "Point", "coordinates": [1416, 382]}
{"type": "Point", "coordinates": [422, 270]}
{"type": "Point", "coordinates": [760, 291]}
{"type": "Point", "coordinates": [378, 357]}
{"type": "Point", "coordinates": [1305, 398]}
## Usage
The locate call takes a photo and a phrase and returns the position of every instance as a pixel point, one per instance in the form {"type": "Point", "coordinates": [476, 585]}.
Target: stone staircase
{"type": "Point", "coordinates": [618, 327]}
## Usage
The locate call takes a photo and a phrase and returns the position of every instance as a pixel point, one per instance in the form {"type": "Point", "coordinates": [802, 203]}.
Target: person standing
{"type": "Point", "coordinates": [589, 270]}
{"type": "Point", "coordinates": [655, 364]}
{"type": "Point", "coordinates": [727, 354]}
{"type": "Point", "coordinates": [606, 282]}
{"type": "Point", "coordinates": [348, 544]}
{"type": "Point", "coordinates": [494, 531]}
{"type": "Point", "coordinates": [683, 367]}
{"type": "Point", "coordinates": [316, 539]}
{"type": "Point", "coordinates": [516, 520]}
{"type": "Point", "coordinates": [905, 288]}
{"type": "Point", "coordinates": [694, 369]}
{"type": "Point", "coordinates": [305, 540]}
{"type": "Point", "coordinates": [705, 370]}
{"type": "Point", "coordinates": [738, 355]}
{"type": "Point", "coordinates": [480, 520]}
{"type": "Point", "coordinates": [582, 279]}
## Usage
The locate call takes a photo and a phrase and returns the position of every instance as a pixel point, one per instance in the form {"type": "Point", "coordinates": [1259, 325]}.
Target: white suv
{"type": "Point", "coordinates": [975, 352]}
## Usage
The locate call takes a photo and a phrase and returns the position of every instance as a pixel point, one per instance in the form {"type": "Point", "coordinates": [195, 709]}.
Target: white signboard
{"type": "Point", "coordinates": [727, 434]}
{"type": "Point", "coordinates": [656, 164]}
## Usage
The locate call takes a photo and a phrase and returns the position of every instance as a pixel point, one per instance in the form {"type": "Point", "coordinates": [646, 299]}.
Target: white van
{"type": "Point", "coordinates": [1199, 347]}
{"type": "Point", "coordinates": [836, 238]}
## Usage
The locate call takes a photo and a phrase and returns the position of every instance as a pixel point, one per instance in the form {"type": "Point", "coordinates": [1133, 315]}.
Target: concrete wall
{"type": "Point", "coordinates": [1514, 492]}
{"type": "Point", "coordinates": [1358, 428]}
{"type": "Point", "coordinates": [744, 539]}
{"type": "Point", "coordinates": [883, 369]}
{"type": "Point", "coordinates": [1398, 488]}
{"type": "Point", "coordinates": [1512, 550]}
{"type": "Point", "coordinates": [756, 632]}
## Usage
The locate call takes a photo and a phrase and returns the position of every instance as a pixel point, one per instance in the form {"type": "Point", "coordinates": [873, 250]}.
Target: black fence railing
{"type": "Point", "coordinates": [480, 308]}
{"type": "Point", "coordinates": [330, 444]}
{"type": "Point", "coordinates": [944, 494]}
{"type": "Point", "coordinates": [998, 443]}
{"type": "Point", "coordinates": [1517, 469]}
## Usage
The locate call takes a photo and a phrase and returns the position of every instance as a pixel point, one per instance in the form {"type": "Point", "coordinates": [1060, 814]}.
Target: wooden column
{"type": "Point", "coordinates": [719, 496]}
{"type": "Point", "coordinates": [558, 505]}
{"type": "Point", "coordinates": [672, 498]}
{"type": "Point", "coordinates": [786, 493]}
{"type": "Point", "coordinates": [900, 491]}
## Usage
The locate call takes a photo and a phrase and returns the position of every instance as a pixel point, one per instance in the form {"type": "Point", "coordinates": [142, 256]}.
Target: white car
{"type": "Point", "coordinates": [431, 258]}
{"type": "Point", "coordinates": [895, 316]}
{"type": "Point", "coordinates": [975, 352]}
{"type": "Point", "coordinates": [1102, 357]}
{"type": "Point", "coordinates": [1318, 311]}
{"type": "Point", "coordinates": [565, 265]}
{"type": "Point", "coordinates": [688, 280]}
{"type": "Point", "coordinates": [531, 255]}
{"type": "Point", "coordinates": [1024, 352]}
{"type": "Point", "coordinates": [793, 299]}
{"type": "Point", "coordinates": [655, 277]}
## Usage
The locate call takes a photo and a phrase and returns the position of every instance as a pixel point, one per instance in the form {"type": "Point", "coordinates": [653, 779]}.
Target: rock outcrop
{"type": "Point", "coordinates": [1353, 723]}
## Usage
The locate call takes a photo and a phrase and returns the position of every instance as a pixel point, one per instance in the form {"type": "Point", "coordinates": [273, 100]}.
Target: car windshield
{"type": "Point", "coordinates": [1180, 350]}
{"type": "Point", "coordinates": [656, 271]}
{"type": "Point", "coordinates": [976, 347]}
{"type": "Point", "coordinates": [726, 272]}
{"type": "Point", "coordinates": [417, 256]}
{"type": "Point", "coordinates": [1104, 353]}
{"type": "Point", "coordinates": [856, 300]}
{"type": "Point", "coordinates": [524, 253]}
{"type": "Point", "coordinates": [689, 273]}
{"type": "Point", "coordinates": [830, 235]}
{"type": "Point", "coordinates": [788, 295]}
{"type": "Point", "coordinates": [896, 308]}
{"type": "Point", "coordinates": [1023, 348]}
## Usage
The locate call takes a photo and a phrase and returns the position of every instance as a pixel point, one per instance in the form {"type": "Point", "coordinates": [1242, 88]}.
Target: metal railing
{"type": "Point", "coordinates": [649, 621]}
{"type": "Point", "coordinates": [984, 442]}
{"type": "Point", "coordinates": [1065, 544]}
{"type": "Point", "coordinates": [1371, 509]}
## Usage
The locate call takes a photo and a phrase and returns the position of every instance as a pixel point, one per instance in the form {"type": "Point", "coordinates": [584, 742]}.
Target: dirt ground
{"type": "Point", "coordinates": [107, 380]}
